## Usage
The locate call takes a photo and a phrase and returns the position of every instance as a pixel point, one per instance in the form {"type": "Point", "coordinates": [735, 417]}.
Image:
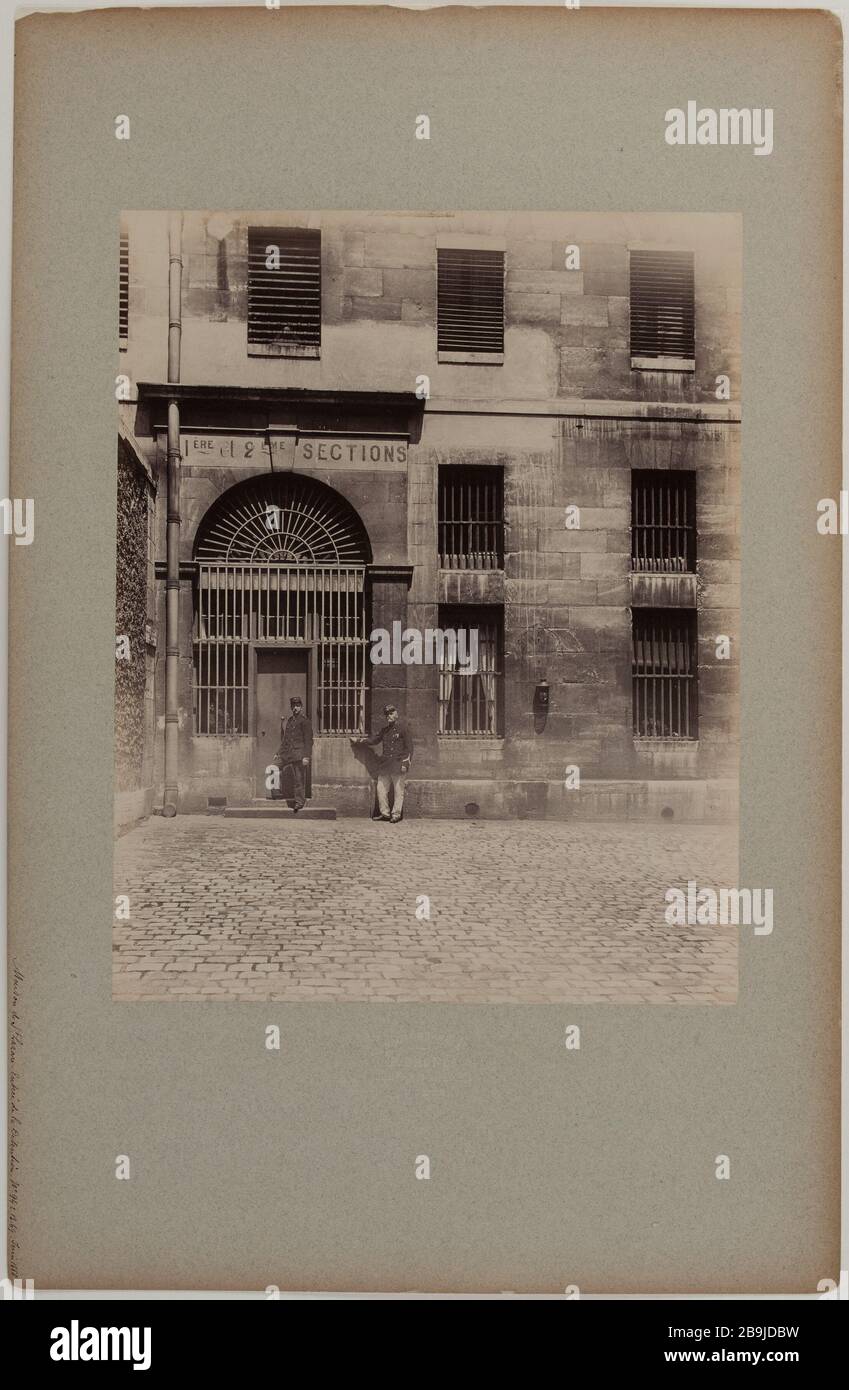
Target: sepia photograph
{"type": "Point", "coordinates": [437, 635]}
{"type": "Point", "coordinates": [427, 607]}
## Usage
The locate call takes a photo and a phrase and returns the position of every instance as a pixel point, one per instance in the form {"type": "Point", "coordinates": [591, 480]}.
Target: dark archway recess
{"type": "Point", "coordinates": [282, 518]}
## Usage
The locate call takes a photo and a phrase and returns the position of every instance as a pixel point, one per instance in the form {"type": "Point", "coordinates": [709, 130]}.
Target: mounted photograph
{"type": "Point", "coordinates": [427, 606]}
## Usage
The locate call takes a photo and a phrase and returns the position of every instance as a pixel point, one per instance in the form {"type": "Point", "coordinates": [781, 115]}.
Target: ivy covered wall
{"type": "Point", "coordinates": [131, 611]}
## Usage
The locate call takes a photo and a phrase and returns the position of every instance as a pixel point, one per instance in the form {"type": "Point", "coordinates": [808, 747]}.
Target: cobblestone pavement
{"type": "Point", "coordinates": [519, 910]}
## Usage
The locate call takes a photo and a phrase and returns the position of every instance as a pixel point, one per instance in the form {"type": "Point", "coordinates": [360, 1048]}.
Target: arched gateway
{"type": "Point", "coordinates": [280, 609]}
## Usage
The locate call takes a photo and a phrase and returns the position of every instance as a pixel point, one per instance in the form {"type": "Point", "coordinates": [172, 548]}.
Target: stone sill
{"type": "Point", "coordinates": [283, 350]}
{"type": "Point", "coordinates": [664, 589]}
{"type": "Point", "coordinates": [246, 738]}
{"type": "Point", "coordinates": [663, 364]}
{"type": "Point", "coordinates": [665, 743]}
{"type": "Point", "coordinates": [470, 586]}
{"type": "Point", "coordinates": [482, 359]}
{"type": "Point", "coordinates": [491, 740]}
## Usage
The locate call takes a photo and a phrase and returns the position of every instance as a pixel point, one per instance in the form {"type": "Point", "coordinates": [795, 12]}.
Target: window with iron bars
{"type": "Point", "coordinates": [664, 673]}
{"type": "Point", "coordinates": [663, 521]}
{"type": "Point", "coordinates": [471, 695]}
{"type": "Point", "coordinates": [238, 604]}
{"type": "Point", "coordinates": [471, 518]}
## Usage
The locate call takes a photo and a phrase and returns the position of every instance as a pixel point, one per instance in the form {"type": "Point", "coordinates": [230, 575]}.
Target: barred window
{"type": "Point", "coordinates": [123, 290]}
{"type": "Point", "coordinates": [470, 302]}
{"type": "Point", "coordinates": [662, 304]}
{"type": "Point", "coordinates": [664, 673]}
{"type": "Point", "coordinates": [471, 694]}
{"type": "Point", "coordinates": [284, 290]}
{"type": "Point", "coordinates": [471, 518]}
{"type": "Point", "coordinates": [663, 521]}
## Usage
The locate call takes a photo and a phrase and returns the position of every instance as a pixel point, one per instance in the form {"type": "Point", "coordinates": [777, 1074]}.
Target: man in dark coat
{"type": "Point", "coordinates": [295, 750]}
{"type": "Point", "coordinates": [397, 739]}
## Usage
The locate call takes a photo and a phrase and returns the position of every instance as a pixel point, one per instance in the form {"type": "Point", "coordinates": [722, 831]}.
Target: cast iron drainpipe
{"type": "Point", "coordinates": [172, 581]}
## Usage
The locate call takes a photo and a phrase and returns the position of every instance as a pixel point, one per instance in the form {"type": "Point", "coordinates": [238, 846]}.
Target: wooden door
{"type": "Point", "coordinates": [281, 673]}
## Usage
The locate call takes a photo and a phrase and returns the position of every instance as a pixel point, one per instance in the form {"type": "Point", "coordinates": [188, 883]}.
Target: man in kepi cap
{"type": "Point", "coordinates": [295, 750]}
{"type": "Point", "coordinates": [397, 739]}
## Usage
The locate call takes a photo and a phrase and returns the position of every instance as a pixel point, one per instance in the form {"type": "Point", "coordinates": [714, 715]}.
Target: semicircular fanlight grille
{"type": "Point", "coordinates": [282, 519]}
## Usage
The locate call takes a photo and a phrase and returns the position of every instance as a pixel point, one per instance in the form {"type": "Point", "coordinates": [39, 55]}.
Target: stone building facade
{"type": "Point", "coordinates": [526, 425]}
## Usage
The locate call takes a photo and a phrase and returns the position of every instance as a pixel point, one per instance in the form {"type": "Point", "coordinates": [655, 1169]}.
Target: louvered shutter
{"type": "Point", "coordinates": [470, 301]}
{"type": "Point", "coordinates": [284, 304]}
{"type": "Point", "coordinates": [662, 304]}
{"type": "Point", "coordinates": [124, 288]}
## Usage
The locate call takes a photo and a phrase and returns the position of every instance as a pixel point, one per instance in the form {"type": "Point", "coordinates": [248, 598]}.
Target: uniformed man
{"type": "Point", "coordinates": [396, 755]}
{"type": "Point", "coordinates": [295, 751]}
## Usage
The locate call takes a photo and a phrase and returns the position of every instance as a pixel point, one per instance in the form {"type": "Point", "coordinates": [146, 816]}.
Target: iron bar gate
{"type": "Point", "coordinates": [240, 604]}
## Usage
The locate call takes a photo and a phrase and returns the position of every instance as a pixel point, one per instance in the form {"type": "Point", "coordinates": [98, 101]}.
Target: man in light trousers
{"type": "Point", "coordinates": [397, 740]}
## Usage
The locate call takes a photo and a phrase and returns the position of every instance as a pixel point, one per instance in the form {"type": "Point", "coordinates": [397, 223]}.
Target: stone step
{"type": "Point", "coordinates": [272, 810]}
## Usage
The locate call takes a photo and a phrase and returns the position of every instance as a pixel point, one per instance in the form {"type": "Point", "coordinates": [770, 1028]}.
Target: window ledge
{"type": "Point", "coordinates": [483, 359]}
{"type": "Point", "coordinates": [470, 738]}
{"type": "Point", "coordinates": [664, 589]}
{"type": "Point", "coordinates": [665, 741]}
{"type": "Point", "coordinates": [663, 364]}
{"type": "Point", "coordinates": [283, 350]}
